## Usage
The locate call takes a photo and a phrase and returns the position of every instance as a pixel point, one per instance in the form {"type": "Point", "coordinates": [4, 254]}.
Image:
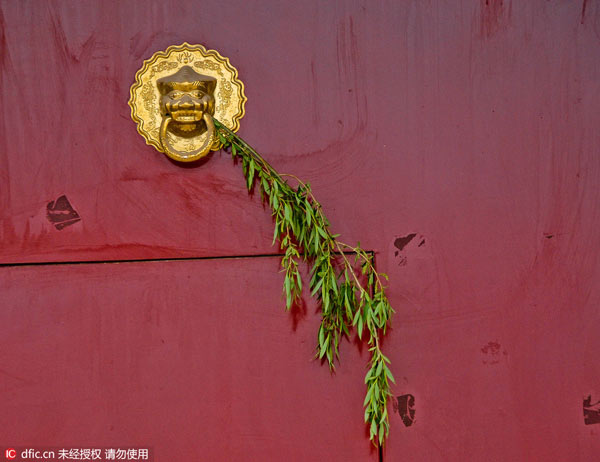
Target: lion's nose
{"type": "Point", "coordinates": [186, 105]}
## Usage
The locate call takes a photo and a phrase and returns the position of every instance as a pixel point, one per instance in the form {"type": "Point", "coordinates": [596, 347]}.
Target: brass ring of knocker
{"type": "Point", "coordinates": [190, 156]}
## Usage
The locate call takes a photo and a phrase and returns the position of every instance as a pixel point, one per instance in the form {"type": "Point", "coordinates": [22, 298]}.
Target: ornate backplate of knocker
{"type": "Point", "coordinates": [176, 95]}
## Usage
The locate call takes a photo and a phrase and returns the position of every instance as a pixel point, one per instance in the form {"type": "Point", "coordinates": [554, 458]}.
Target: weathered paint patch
{"type": "Point", "coordinates": [61, 213]}
{"type": "Point", "coordinates": [404, 405]}
{"type": "Point", "coordinates": [591, 412]}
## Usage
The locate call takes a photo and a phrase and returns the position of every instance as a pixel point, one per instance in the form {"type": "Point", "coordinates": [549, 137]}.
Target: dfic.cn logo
{"type": "Point", "coordinates": [11, 453]}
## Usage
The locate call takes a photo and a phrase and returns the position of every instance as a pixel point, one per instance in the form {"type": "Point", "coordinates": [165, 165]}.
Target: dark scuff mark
{"type": "Point", "coordinates": [548, 235]}
{"type": "Point", "coordinates": [139, 44]}
{"type": "Point", "coordinates": [314, 89]}
{"type": "Point", "coordinates": [591, 412]}
{"type": "Point", "coordinates": [404, 405]}
{"type": "Point", "coordinates": [402, 242]}
{"type": "Point", "coordinates": [5, 61]}
{"type": "Point", "coordinates": [66, 55]}
{"type": "Point", "coordinates": [61, 213]}
{"type": "Point", "coordinates": [583, 6]}
{"type": "Point", "coordinates": [8, 84]}
{"type": "Point", "coordinates": [494, 16]}
{"type": "Point", "coordinates": [349, 64]}
{"type": "Point", "coordinates": [491, 347]}
{"type": "Point", "coordinates": [404, 248]}
{"type": "Point", "coordinates": [403, 260]}
{"type": "Point", "coordinates": [491, 353]}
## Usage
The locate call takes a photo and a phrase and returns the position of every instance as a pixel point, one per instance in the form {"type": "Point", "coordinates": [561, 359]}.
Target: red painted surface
{"type": "Point", "coordinates": [472, 125]}
{"type": "Point", "coordinates": [196, 360]}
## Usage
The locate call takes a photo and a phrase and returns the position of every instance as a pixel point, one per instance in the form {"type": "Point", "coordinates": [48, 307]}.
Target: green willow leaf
{"type": "Point", "coordinates": [352, 301]}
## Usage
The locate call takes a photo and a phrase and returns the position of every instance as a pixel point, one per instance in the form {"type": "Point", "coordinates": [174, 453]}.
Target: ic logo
{"type": "Point", "coordinates": [10, 453]}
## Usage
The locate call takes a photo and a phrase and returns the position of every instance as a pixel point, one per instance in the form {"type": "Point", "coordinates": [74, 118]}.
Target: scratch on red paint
{"type": "Point", "coordinates": [583, 10]}
{"type": "Point", "coordinates": [494, 16]}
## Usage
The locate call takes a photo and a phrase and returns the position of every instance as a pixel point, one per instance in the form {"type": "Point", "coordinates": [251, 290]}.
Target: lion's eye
{"type": "Point", "coordinates": [197, 94]}
{"type": "Point", "coordinates": [176, 95]}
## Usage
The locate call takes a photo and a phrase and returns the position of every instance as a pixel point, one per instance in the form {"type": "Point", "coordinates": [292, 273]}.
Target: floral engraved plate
{"type": "Point", "coordinates": [176, 95]}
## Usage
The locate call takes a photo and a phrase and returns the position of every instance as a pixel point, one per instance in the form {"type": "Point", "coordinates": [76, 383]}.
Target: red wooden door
{"type": "Point", "coordinates": [188, 359]}
{"type": "Point", "coordinates": [457, 140]}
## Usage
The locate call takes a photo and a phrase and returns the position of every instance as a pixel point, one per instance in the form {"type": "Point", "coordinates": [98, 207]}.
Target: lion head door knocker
{"type": "Point", "coordinates": [187, 105]}
{"type": "Point", "coordinates": [178, 93]}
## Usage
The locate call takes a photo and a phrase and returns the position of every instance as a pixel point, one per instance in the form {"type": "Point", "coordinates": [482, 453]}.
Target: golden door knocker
{"type": "Point", "coordinates": [176, 95]}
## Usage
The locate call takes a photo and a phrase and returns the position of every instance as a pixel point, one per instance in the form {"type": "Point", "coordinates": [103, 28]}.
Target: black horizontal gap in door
{"type": "Point", "coordinates": [142, 260]}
